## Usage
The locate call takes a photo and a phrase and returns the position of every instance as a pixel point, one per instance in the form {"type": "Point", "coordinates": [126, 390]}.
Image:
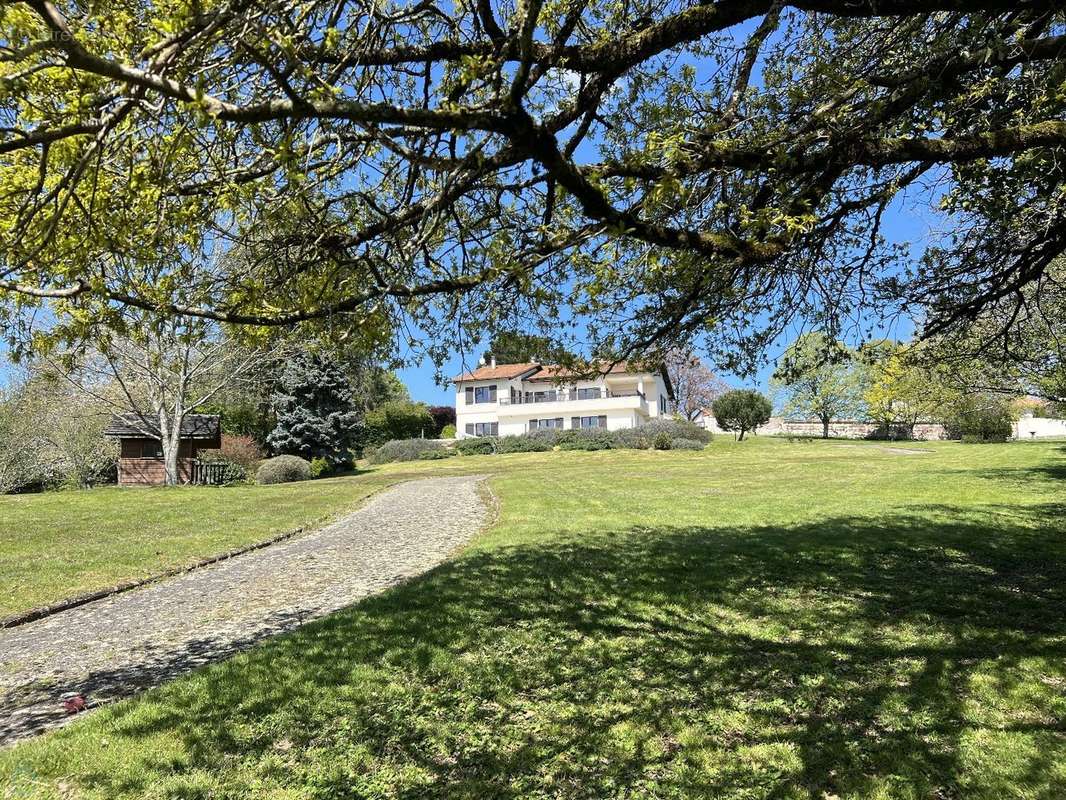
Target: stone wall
{"type": "Point", "coordinates": [1028, 427]}
{"type": "Point", "coordinates": [842, 429]}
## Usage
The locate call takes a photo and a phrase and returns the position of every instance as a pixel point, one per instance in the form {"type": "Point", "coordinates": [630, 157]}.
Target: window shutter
{"type": "Point", "coordinates": [532, 424]}
{"type": "Point", "coordinates": [470, 427]}
{"type": "Point", "coordinates": [494, 429]}
{"type": "Point", "coordinates": [469, 395]}
{"type": "Point", "coordinates": [492, 393]}
{"type": "Point", "coordinates": [603, 420]}
{"type": "Point", "coordinates": [575, 422]}
{"type": "Point", "coordinates": [559, 422]}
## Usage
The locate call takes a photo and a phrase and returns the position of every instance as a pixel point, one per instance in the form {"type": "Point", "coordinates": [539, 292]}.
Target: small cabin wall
{"type": "Point", "coordinates": [138, 464]}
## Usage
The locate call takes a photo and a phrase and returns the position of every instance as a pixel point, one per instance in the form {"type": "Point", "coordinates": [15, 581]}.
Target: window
{"type": "Point", "coordinates": [662, 404]}
{"type": "Point", "coordinates": [545, 424]}
{"type": "Point", "coordinates": [482, 429]}
{"type": "Point", "coordinates": [545, 397]}
{"type": "Point", "coordinates": [588, 422]}
{"type": "Point", "coordinates": [480, 394]}
{"type": "Point", "coordinates": [589, 394]}
{"type": "Point", "coordinates": [150, 448]}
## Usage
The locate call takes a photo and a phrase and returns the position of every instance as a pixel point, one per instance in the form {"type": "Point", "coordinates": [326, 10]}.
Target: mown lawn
{"type": "Point", "coordinates": [760, 620]}
{"type": "Point", "coordinates": [60, 544]}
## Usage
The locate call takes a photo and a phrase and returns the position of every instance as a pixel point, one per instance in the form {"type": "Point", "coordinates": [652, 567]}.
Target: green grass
{"type": "Point", "coordinates": [760, 620]}
{"type": "Point", "coordinates": [61, 544]}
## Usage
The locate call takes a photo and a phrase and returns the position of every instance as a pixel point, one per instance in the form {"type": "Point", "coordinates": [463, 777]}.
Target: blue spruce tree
{"type": "Point", "coordinates": [316, 411]}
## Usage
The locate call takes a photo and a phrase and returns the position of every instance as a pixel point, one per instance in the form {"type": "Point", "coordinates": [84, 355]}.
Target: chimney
{"type": "Point", "coordinates": [492, 361]}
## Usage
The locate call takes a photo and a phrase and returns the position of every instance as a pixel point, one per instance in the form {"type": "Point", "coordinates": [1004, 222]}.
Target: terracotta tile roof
{"type": "Point", "coordinates": [499, 372]}
{"type": "Point", "coordinates": [551, 372]}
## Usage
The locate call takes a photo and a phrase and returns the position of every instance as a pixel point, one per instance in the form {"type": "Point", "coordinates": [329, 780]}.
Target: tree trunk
{"type": "Point", "coordinates": [741, 438]}
{"type": "Point", "coordinates": [170, 438]}
{"type": "Point", "coordinates": [825, 427]}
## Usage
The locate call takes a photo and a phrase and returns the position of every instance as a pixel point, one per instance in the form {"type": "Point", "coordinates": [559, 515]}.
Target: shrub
{"type": "Point", "coordinates": [550, 437]}
{"type": "Point", "coordinates": [632, 438]}
{"type": "Point", "coordinates": [644, 436]}
{"type": "Point", "coordinates": [890, 432]}
{"type": "Point", "coordinates": [522, 444]}
{"type": "Point", "coordinates": [398, 420]}
{"type": "Point", "coordinates": [241, 450]}
{"type": "Point", "coordinates": [687, 444]}
{"type": "Point", "coordinates": [686, 429]}
{"type": "Point", "coordinates": [980, 419]}
{"type": "Point", "coordinates": [283, 469]}
{"type": "Point", "coordinates": [233, 473]}
{"type": "Point", "coordinates": [447, 432]}
{"type": "Point", "coordinates": [241, 454]}
{"type": "Point", "coordinates": [403, 450]}
{"type": "Point", "coordinates": [443, 416]}
{"type": "Point", "coordinates": [662, 441]}
{"type": "Point", "coordinates": [482, 445]}
{"type": "Point", "coordinates": [435, 455]}
{"type": "Point", "coordinates": [590, 439]}
{"type": "Point", "coordinates": [320, 468]}
{"type": "Point", "coordinates": [741, 410]}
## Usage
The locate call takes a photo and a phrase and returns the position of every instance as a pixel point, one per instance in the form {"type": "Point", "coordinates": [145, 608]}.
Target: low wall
{"type": "Point", "coordinates": [846, 429]}
{"type": "Point", "coordinates": [1025, 428]}
{"type": "Point", "coordinates": [841, 429]}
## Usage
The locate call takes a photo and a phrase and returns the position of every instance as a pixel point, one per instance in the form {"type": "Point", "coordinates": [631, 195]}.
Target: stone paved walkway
{"type": "Point", "coordinates": [121, 645]}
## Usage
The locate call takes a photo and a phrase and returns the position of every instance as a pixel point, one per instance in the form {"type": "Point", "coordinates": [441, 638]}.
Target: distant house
{"type": "Point", "coordinates": [140, 460]}
{"type": "Point", "coordinates": [506, 399]}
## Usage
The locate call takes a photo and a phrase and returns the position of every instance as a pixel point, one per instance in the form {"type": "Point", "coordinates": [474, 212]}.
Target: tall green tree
{"type": "Point", "coordinates": [655, 170]}
{"type": "Point", "coordinates": [819, 377]}
{"type": "Point", "coordinates": [399, 419]}
{"type": "Point", "coordinates": [903, 389]}
{"type": "Point", "coordinates": [515, 347]}
{"type": "Point", "coordinates": [317, 416]}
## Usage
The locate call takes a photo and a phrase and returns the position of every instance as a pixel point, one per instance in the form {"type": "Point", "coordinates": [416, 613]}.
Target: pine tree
{"type": "Point", "coordinates": [316, 411]}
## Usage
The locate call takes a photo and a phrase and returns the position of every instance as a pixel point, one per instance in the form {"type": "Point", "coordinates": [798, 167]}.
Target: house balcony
{"type": "Point", "coordinates": [565, 403]}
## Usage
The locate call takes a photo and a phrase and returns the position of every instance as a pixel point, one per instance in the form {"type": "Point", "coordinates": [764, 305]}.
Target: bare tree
{"type": "Point", "coordinates": [162, 370]}
{"type": "Point", "coordinates": [695, 386]}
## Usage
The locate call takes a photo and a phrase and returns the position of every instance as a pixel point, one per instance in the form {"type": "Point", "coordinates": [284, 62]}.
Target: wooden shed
{"type": "Point", "coordinates": [140, 460]}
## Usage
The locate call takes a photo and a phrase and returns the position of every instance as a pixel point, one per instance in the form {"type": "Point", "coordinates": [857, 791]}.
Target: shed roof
{"type": "Point", "coordinates": [136, 426]}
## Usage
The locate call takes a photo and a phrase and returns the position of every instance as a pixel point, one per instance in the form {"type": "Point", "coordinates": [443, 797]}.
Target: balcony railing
{"type": "Point", "coordinates": [560, 396]}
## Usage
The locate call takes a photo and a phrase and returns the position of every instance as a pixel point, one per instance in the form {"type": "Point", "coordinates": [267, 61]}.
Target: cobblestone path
{"type": "Point", "coordinates": [118, 646]}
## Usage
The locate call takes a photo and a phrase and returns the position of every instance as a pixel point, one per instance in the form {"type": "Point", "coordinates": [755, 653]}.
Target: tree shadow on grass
{"type": "Point", "coordinates": [1047, 472]}
{"type": "Point", "coordinates": [919, 655]}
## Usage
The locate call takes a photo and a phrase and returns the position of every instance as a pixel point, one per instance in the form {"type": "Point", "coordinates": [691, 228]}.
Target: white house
{"type": "Point", "coordinates": [507, 399]}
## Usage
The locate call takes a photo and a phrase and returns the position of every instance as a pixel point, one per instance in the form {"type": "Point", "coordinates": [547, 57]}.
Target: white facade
{"type": "Point", "coordinates": [494, 401]}
{"type": "Point", "coordinates": [1033, 427]}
